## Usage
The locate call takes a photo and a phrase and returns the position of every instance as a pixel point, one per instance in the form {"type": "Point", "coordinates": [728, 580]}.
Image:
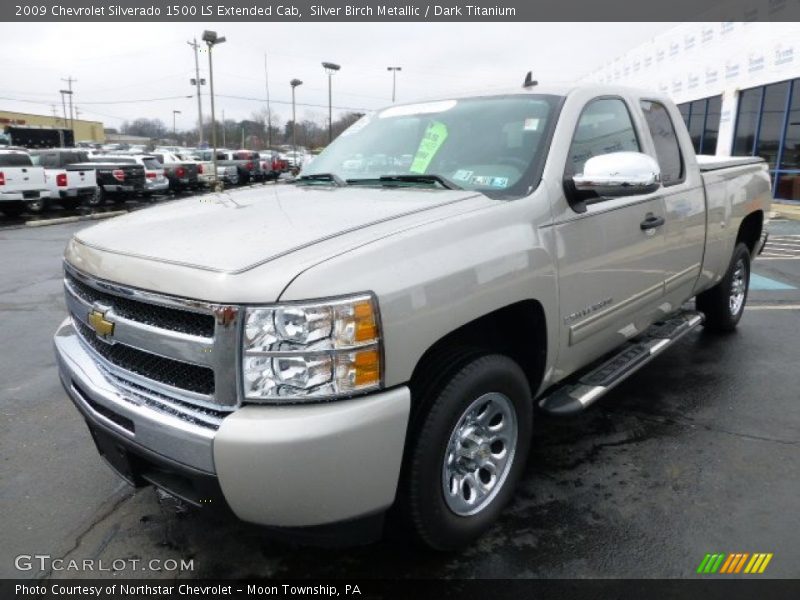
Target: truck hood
{"type": "Point", "coordinates": [235, 232]}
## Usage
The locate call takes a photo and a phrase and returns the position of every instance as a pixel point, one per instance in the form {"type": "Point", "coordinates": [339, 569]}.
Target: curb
{"type": "Point", "coordinates": [92, 217]}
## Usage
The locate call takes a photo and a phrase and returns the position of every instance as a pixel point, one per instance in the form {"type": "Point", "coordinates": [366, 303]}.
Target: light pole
{"type": "Point", "coordinates": [330, 69]}
{"type": "Point", "coordinates": [174, 130]}
{"type": "Point", "coordinates": [211, 39]}
{"type": "Point", "coordinates": [394, 71]}
{"type": "Point", "coordinates": [197, 82]}
{"type": "Point", "coordinates": [294, 83]}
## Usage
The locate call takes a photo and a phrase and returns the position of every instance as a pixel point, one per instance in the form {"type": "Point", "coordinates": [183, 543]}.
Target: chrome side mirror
{"type": "Point", "coordinates": [619, 174]}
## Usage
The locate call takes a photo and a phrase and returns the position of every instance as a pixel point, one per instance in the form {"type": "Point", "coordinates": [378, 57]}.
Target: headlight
{"type": "Point", "coordinates": [311, 351]}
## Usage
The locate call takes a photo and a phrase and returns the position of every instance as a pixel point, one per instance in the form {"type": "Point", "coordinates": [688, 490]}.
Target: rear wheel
{"type": "Point", "coordinates": [468, 452]}
{"type": "Point", "coordinates": [98, 198]}
{"type": "Point", "coordinates": [723, 305]}
{"type": "Point", "coordinates": [37, 206]}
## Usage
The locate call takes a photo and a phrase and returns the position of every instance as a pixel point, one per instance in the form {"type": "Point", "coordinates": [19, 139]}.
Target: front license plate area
{"type": "Point", "coordinates": [114, 454]}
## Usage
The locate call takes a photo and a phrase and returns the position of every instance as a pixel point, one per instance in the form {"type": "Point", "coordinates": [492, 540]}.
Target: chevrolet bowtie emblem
{"type": "Point", "coordinates": [102, 326]}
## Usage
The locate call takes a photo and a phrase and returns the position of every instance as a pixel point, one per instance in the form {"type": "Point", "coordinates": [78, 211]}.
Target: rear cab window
{"type": "Point", "coordinates": [152, 164]}
{"type": "Point", "coordinates": [15, 160]}
{"type": "Point", "coordinates": [668, 151]}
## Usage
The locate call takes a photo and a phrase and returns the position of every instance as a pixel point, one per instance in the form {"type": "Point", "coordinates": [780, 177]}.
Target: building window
{"type": "Point", "coordinates": [702, 120]}
{"type": "Point", "coordinates": [768, 125]}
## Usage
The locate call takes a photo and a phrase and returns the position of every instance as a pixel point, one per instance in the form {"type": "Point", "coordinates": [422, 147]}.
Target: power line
{"type": "Point", "coordinates": [141, 100]}
{"type": "Point", "coordinates": [289, 102]}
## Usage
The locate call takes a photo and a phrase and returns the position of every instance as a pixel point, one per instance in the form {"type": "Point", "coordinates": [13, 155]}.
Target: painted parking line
{"type": "Point", "coordinates": [772, 307]}
{"type": "Point", "coordinates": [761, 283]}
{"type": "Point", "coordinates": [781, 247]}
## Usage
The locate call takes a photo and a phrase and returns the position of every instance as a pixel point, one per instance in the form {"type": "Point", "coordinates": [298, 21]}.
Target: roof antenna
{"type": "Point", "coordinates": [529, 81]}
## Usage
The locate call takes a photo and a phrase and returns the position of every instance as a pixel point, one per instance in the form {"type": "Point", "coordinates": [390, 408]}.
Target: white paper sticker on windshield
{"type": "Point", "coordinates": [426, 108]}
{"type": "Point", "coordinates": [499, 182]}
{"type": "Point", "coordinates": [531, 125]}
{"type": "Point", "coordinates": [462, 175]}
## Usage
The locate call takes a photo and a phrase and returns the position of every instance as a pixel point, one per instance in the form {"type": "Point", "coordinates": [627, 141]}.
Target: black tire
{"type": "Point", "coordinates": [423, 508]}
{"type": "Point", "coordinates": [38, 206]}
{"type": "Point", "coordinates": [98, 198]}
{"type": "Point", "coordinates": [723, 305]}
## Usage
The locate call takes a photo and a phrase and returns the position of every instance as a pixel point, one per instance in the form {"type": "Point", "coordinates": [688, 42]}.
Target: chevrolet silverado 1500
{"type": "Point", "coordinates": [375, 341]}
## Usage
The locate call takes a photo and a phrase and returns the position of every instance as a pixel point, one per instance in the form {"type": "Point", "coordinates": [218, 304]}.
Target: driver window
{"type": "Point", "coordinates": [604, 127]}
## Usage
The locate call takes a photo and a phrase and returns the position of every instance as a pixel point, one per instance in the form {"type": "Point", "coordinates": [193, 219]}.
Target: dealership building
{"type": "Point", "coordinates": [90, 131]}
{"type": "Point", "coordinates": [737, 85]}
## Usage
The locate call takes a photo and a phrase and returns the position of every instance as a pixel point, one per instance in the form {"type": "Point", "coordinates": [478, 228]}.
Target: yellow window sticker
{"type": "Point", "coordinates": [434, 137]}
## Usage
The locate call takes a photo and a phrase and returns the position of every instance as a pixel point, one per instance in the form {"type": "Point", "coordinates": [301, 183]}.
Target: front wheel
{"type": "Point", "coordinates": [469, 452]}
{"type": "Point", "coordinates": [723, 305]}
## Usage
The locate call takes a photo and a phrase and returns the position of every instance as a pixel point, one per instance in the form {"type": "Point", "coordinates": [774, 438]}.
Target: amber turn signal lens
{"type": "Point", "coordinates": [366, 328]}
{"type": "Point", "coordinates": [367, 365]}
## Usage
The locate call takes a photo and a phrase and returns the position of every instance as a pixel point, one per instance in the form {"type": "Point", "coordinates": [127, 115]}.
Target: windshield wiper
{"type": "Point", "coordinates": [322, 178]}
{"type": "Point", "coordinates": [410, 178]}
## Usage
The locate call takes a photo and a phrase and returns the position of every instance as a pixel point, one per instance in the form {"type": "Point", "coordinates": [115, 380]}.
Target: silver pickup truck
{"type": "Point", "coordinates": [376, 338]}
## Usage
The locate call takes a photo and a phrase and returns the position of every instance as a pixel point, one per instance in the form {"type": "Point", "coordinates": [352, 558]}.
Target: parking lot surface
{"type": "Point", "coordinates": [696, 453]}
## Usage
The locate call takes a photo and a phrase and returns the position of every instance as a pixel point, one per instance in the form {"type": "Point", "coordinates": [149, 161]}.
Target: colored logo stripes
{"type": "Point", "coordinates": [741, 562]}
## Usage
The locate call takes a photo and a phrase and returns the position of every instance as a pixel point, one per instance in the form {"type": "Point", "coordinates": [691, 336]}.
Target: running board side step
{"type": "Point", "coordinates": [574, 397]}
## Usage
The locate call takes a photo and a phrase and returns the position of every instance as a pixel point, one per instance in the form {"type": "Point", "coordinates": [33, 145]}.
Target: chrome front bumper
{"type": "Point", "coordinates": [285, 466]}
{"type": "Point", "coordinates": [93, 392]}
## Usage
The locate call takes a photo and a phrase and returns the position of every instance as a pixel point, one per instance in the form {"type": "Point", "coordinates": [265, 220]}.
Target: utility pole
{"type": "Point", "coordinates": [55, 111]}
{"type": "Point", "coordinates": [198, 82]}
{"type": "Point", "coordinates": [64, 106]}
{"type": "Point", "coordinates": [70, 81]}
{"type": "Point", "coordinates": [224, 144]}
{"type": "Point", "coordinates": [394, 71]}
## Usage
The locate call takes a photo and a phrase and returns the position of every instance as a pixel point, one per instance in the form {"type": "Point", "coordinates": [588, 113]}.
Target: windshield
{"type": "Point", "coordinates": [489, 144]}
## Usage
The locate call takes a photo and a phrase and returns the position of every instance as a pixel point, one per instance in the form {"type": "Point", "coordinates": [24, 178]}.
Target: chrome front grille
{"type": "Point", "coordinates": [174, 373]}
{"type": "Point", "coordinates": [191, 323]}
{"type": "Point", "coordinates": [172, 354]}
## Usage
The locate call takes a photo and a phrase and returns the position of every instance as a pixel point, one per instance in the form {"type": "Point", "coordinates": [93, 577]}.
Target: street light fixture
{"type": "Point", "coordinates": [212, 39]}
{"type": "Point", "coordinates": [174, 130]}
{"type": "Point", "coordinates": [294, 83]}
{"type": "Point", "coordinates": [330, 69]}
{"type": "Point", "coordinates": [394, 71]}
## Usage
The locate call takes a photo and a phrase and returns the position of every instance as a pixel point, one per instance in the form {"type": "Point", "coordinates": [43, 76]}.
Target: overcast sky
{"type": "Point", "coordinates": [115, 64]}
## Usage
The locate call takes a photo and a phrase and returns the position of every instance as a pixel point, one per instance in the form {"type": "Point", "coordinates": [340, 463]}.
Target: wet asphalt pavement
{"type": "Point", "coordinates": [698, 452]}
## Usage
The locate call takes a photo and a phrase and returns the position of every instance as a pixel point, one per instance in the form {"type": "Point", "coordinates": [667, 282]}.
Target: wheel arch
{"type": "Point", "coordinates": [750, 230]}
{"type": "Point", "coordinates": [518, 331]}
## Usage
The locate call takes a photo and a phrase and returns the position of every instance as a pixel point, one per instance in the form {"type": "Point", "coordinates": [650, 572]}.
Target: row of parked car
{"type": "Point", "coordinates": [31, 179]}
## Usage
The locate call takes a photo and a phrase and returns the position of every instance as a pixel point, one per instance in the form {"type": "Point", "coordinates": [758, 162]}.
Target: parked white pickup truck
{"type": "Point", "coordinates": [70, 186]}
{"type": "Point", "coordinates": [379, 338]}
{"type": "Point", "coordinates": [22, 185]}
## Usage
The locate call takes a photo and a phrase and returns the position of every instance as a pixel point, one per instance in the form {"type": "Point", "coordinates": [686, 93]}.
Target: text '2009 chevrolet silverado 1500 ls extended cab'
{"type": "Point", "coordinates": [363, 344]}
